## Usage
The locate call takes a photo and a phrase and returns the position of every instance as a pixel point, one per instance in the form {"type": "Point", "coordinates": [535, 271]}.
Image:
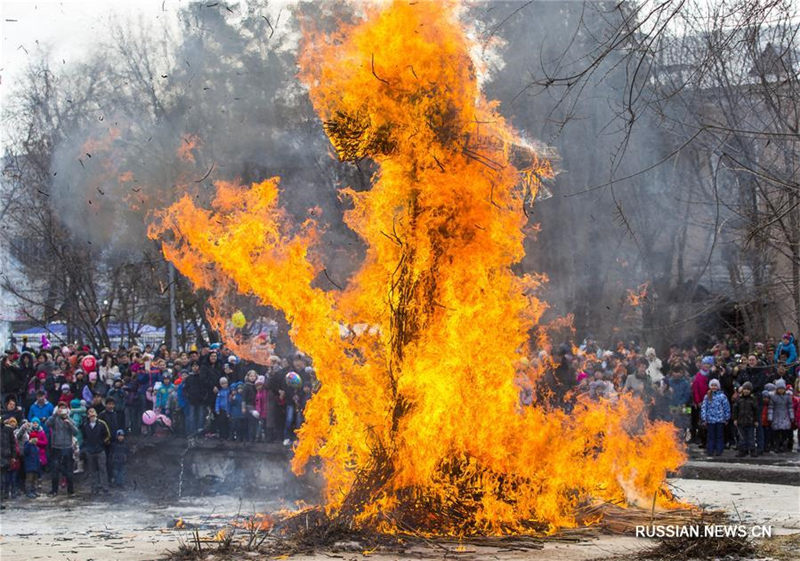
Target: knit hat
{"type": "Point", "coordinates": [780, 384]}
{"type": "Point", "coordinates": [769, 387]}
{"type": "Point", "coordinates": [261, 380]}
{"type": "Point", "coordinates": [708, 360]}
{"type": "Point", "coordinates": [120, 432]}
{"type": "Point", "coordinates": [223, 380]}
{"type": "Point", "coordinates": [713, 383]}
{"type": "Point", "coordinates": [75, 403]}
{"type": "Point", "coordinates": [765, 393]}
{"type": "Point", "coordinates": [747, 386]}
{"type": "Point", "coordinates": [64, 387]}
{"type": "Point", "coordinates": [36, 420]}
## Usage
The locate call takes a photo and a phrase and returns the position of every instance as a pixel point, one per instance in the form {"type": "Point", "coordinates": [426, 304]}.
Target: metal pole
{"type": "Point", "coordinates": [173, 324]}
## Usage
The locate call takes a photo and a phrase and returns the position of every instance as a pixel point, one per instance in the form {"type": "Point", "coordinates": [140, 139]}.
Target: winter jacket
{"type": "Point", "coordinates": [95, 438]}
{"type": "Point", "coordinates": [41, 411]}
{"type": "Point", "coordinates": [41, 444]}
{"type": "Point", "coordinates": [791, 348]}
{"type": "Point", "coordinates": [118, 454]}
{"type": "Point", "coordinates": [119, 395]}
{"type": "Point", "coordinates": [61, 431]}
{"type": "Point", "coordinates": [162, 397]}
{"type": "Point", "coordinates": [222, 402]}
{"type": "Point", "coordinates": [193, 390]}
{"type": "Point", "coordinates": [781, 411]}
{"type": "Point", "coordinates": [681, 392]}
{"type": "Point", "coordinates": [31, 458]}
{"type": "Point", "coordinates": [745, 411]}
{"type": "Point", "coordinates": [715, 408]}
{"type": "Point", "coordinates": [8, 446]}
{"type": "Point", "coordinates": [261, 402]}
{"type": "Point", "coordinates": [699, 387]}
{"type": "Point", "coordinates": [236, 406]}
{"type": "Point", "coordinates": [756, 376]}
{"type": "Point", "coordinates": [114, 419]}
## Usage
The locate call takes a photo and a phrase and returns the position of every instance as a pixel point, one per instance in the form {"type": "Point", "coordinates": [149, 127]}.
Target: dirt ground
{"type": "Point", "coordinates": [76, 529]}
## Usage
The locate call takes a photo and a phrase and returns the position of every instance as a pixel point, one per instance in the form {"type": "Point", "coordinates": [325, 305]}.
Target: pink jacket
{"type": "Point", "coordinates": [261, 402]}
{"type": "Point", "coordinates": [699, 388]}
{"type": "Point", "coordinates": [41, 442]}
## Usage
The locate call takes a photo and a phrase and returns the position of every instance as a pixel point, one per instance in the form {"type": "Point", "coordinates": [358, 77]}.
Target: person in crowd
{"type": "Point", "coordinates": [118, 459]}
{"type": "Point", "coordinates": [680, 398]}
{"type": "Point", "coordinates": [66, 393]}
{"type": "Point", "coordinates": [41, 408]}
{"type": "Point", "coordinates": [654, 365]}
{"type": "Point", "coordinates": [262, 407]}
{"type": "Point", "coordinates": [108, 371]}
{"type": "Point", "coordinates": [8, 457]}
{"type": "Point", "coordinates": [639, 383]}
{"type": "Point", "coordinates": [745, 418]}
{"type": "Point", "coordinates": [195, 392]}
{"type": "Point", "coordinates": [33, 467]}
{"type": "Point", "coordinates": [12, 410]}
{"type": "Point", "coordinates": [780, 415]}
{"type": "Point", "coordinates": [249, 399]}
{"type": "Point", "coordinates": [62, 430]}
{"type": "Point", "coordinates": [222, 408]}
{"type": "Point", "coordinates": [238, 412]}
{"type": "Point", "coordinates": [96, 437]}
{"type": "Point", "coordinates": [715, 412]}
{"type": "Point", "coordinates": [162, 395]}
{"type": "Point", "coordinates": [699, 393]}
{"type": "Point", "coordinates": [36, 430]}
{"type": "Point", "coordinates": [786, 350]}
{"type": "Point", "coordinates": [115, 420]}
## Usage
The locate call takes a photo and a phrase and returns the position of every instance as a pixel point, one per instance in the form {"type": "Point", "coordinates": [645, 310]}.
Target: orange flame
{"type": "Point", "coordinates": [638, 296]}
{"type": "Point", "coordinates": [421, 409]}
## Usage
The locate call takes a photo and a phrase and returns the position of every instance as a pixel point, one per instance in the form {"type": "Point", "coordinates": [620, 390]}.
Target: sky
{"type": "Point", "coordinates": [68, 28]}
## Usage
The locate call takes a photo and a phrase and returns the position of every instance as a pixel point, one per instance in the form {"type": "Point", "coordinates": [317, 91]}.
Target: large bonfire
{"type": "Point", "coordinates": [418, 424]}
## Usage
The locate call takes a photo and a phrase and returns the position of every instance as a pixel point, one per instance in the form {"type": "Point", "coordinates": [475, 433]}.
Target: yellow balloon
{"type": "Point", "coordinates": [238, 319]}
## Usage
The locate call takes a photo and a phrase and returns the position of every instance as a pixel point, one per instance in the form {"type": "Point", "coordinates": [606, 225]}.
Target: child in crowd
{"type": "Point", "coordinates": [745, 419]}
{"type": "Point", "coordinates": [118, 456]}
{"type": "Point", "coordinates": [237, 410]}
{"type": "Point", "coordinates": [764, 431]}
{"type": "Point", "coordinates": [780, 414]}
{"type": "Point", "coordinates": [222, 407]}
{"type": "Point", "coordinates": [33, 468]}
{"type": "Point", "coordinates": [36, 431]}
{"type": "Point", "coordinates": [715, 411]}
{"type": "Point", "coordinates": [261, 406]}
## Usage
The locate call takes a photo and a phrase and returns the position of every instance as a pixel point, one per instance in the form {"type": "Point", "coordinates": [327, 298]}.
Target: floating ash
{"type": "Point", "coordinates": [417, 425]}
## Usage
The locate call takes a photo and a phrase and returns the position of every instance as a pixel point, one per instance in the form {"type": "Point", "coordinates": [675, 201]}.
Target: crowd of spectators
{"type": "Point", "coordinates": [66, 412]}
{"type": "Point", "coordinates": [734, 394]}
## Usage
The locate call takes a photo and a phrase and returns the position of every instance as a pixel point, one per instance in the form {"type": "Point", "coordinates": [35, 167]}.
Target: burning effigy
{"type": "Point", "coordinates": [417, 425]}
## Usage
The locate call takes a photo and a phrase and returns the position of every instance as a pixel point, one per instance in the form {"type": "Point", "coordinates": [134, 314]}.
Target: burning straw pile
{"type": "Point", "coordinates": [417, 426]}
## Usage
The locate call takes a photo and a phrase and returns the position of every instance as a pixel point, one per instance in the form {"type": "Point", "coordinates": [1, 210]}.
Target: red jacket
{"type": "Point", "coordinates": [699, 388]}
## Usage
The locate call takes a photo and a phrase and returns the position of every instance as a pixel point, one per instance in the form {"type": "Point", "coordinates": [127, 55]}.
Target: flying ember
{"type": "Point", "coordinates": [418, 423]}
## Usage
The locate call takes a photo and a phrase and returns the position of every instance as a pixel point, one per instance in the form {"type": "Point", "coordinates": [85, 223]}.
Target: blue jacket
{"type": "Point", "coordinates": [222, 403]}
{"type": "Point", "coordinates": [31, 453]}
{"type": "Point", "coordinates": [715, 409]}
{"type": "Point", "coordinates": [41, 411]}
{"type": "Point", "coordinates": [681, 392]}
{"type": "Point", "coordinates": [791, 348]}
{"type": "Point", "coordinates": [236, 406]}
